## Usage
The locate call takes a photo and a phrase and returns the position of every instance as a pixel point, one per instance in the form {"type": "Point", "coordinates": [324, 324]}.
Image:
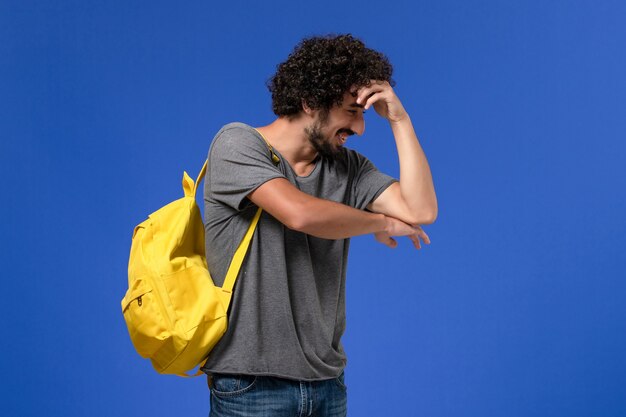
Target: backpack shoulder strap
{"type": "Point", "coordinates": [240, 254]}
{"type": "Point", "coordinates": [242, 249]}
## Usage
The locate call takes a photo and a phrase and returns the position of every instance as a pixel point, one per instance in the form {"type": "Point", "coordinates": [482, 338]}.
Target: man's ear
{"type": "Point", "coordinates": [306, 108]}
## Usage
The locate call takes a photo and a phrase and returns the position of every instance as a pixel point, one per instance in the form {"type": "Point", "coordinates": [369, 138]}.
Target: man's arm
{"type": "Point", "coordinates": [413, 199]}
{"type": "Point", "coordinates": [323, 218]}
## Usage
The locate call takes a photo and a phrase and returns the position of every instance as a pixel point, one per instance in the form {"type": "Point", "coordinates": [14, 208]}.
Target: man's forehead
{"type": "Point", "coordinates": [349, 99]}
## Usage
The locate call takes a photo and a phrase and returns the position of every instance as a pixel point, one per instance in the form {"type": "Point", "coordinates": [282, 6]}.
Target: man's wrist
{"type": "Point", "coordinates": [382, 224]}
{"type": "Point", "coordinates": [402, 122]}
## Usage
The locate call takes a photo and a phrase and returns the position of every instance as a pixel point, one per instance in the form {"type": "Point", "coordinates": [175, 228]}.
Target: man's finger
{"type": "Point", "coordinates": [416, 241]}
{"type": "Point", "coordinates": [422, 234]}
{"type": "Point", "coordinates": [373, 99]}
{"type": "Point", "coordinates": [424, 237]}
{"type": "Point", "coordinates": [368, 92]}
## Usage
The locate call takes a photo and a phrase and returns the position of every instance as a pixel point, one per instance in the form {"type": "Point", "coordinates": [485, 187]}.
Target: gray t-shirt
{"type": "Point", "coordinates": [287, 314]}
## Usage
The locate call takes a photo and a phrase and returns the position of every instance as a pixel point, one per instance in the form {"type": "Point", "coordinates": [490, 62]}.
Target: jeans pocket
{"type": "Point", "coordinates": [226, 385]}
{"type": "Point", "coordinates": [341, 382]}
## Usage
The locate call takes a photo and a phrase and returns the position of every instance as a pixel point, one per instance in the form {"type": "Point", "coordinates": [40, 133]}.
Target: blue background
{"type": "Point", "coordinates": [517, 308]}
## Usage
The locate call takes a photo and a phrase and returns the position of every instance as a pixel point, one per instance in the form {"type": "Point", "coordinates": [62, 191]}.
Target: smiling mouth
{"type": "Point", "coordinates": [343, 136]}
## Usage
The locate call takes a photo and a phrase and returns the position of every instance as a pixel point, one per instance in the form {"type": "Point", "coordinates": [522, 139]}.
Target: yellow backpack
{"type": "Point", "coordinates": [174, 312]}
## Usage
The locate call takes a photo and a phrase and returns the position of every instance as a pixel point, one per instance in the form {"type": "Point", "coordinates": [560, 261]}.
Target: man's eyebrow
{"type": "Point", "coordinates": [355, 104]}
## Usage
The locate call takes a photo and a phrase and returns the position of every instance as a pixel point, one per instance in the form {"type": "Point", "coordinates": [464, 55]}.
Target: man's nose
{"type": "Point", "coordinates": [358, 126]}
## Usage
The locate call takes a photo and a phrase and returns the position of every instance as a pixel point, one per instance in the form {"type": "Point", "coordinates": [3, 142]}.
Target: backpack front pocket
{"type": "Point", "coordinates": [146, 324]}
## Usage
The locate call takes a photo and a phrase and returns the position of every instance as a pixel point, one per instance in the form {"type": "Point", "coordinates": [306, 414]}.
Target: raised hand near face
{"type": "Point", "coordinates": [380, 94]}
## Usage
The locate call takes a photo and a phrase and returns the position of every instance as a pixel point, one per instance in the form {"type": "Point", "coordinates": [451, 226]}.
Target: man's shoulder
{"type": "Point", "coordinates": [236, 134]}
{"type": "Point", "coordinates": [236, 129]}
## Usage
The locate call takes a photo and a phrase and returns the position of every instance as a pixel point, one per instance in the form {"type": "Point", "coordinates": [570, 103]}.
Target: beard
{"type": "Point", "coordinates": [321, 143]}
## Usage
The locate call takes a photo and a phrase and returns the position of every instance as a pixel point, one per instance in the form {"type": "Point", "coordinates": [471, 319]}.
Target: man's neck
{"type": "Point", "coordinates": [288, 138]}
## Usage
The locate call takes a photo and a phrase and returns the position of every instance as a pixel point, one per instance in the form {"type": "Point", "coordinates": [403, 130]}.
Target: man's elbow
{"type": "Point", "coordinates": [296, 222]}
{"type": "Point", "coordinates": [299, 218]}
{"type": "Point", "coordinates": [427, 216]}
{"type": "Point", "coordinates": [430, 212]}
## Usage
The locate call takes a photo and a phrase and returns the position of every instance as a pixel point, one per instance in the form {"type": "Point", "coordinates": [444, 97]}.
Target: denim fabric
{"type": "Point", "coordinates": [263, 396]}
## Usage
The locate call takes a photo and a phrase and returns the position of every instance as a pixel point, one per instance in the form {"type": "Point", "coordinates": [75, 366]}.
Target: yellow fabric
{"type": "Point", "coordinates": [174, 312]}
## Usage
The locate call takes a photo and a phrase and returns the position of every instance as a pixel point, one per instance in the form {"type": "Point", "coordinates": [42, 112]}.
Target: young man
{"type": "Point", "coordinates": [282, 353]}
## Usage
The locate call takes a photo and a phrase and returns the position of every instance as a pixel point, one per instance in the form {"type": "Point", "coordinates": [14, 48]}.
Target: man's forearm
{"type": "Point", "coordinates": [314, 216]}
{"type": "Point", "coordinates": [416, 183]}
{"type": "Point", "coordinates": [330, 220]}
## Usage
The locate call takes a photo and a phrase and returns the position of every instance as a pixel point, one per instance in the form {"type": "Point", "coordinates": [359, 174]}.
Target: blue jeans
{"type": "Point", "coordinates": [264, 396]}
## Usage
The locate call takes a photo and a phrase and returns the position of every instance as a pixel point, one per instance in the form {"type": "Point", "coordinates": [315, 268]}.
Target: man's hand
{"type": "Point", "coordinates": [381, 95]}
{"type": "Point", "coordinates": [396, 227]}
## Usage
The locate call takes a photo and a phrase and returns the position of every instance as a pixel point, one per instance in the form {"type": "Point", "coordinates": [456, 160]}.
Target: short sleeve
{"type": "Point", "coordinates": [368, 182]}
{"type": "Point", "coordinates": [239, 162]}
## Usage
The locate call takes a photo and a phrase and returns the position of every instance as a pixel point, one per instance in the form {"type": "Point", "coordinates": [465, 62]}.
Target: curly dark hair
{"type": "Point", "coordinates": [321, 69]}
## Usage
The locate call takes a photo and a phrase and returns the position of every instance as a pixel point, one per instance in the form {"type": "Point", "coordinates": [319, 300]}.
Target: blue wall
{"type": "Point", "coordinates": [515, 309]}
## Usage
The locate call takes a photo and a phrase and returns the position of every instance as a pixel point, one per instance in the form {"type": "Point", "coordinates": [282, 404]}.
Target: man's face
{"type": "Point", "coordinates": [331, 128]}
